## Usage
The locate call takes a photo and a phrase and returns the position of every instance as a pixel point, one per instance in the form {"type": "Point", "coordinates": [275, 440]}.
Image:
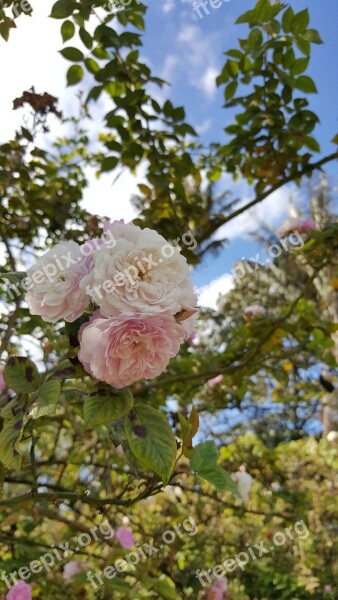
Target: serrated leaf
{"type": "Point", "coordinates": [9, 437]}
{"type": "Point", "coordinates": [46, 402]}
{"type": "Point", "coordinates": [151, 440]}
{"type": "Point", "coordinates": [67, 30]}
{"type": "Point", "coordinates": [104, 409]}
{"type": "Point", "coordinates": [21, 375]}
{"type": "Point", "coordinates": [74, 75]}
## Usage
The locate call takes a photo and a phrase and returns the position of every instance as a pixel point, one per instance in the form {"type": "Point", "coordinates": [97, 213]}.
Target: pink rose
{"type": "Point", "coordinates": [54, 292]}
{"type": "Point", "coordinates": [125, 537]}
{"type": "Point", "coordinates": [328, 588]}
{"type": "Point", "coordinates": [215, 380]}
{"type": "Point", "coordinates": [73, 568]}
{"type": "Point", "coordinates": [255, 311]}
{"type": "Point", "coordinates": [300, 226]}
{"type": "Point", "coordinates": [305, 226]}
{"type": "Point", "coordinates": [140, 273]}
{"type": "Point", "coordinates": [122, 350]}
{"type": "Point", "coordinates": [191, 338]}
{"type": "Point", "coordinates": [218, 590]}
{"type": "Point", "coordinates": [20, 591]}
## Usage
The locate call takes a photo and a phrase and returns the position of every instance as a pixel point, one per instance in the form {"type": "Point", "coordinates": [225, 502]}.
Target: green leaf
{"type": "Point", "coordinates": [306, 84]}
{"type": "Point", "coordinates": [151, 440]}
{"type": "Point", "coordinates": [230, 90]}
{"type": "Point", "coordinates": [9, 437]}
{"type": "Point", "coordinates": [49, 394]}
{"type": "Point", "coordinates": [103, 409]}
{"type": "Point", "coordinates": [204, 463]}
{"type": "Point", "coordinates": [312, 35]}
{"type": "Point", "coordinates": [63, 9]}
{"type": "Point", "coordinates": [205, 456]}
{"type": "Point", "coordinates": [74, 75]}
{"type": "Point", "coordinates": [73, 54]}
{"type": "Point", "coordinates": [303, 45]}
{"type": "Point", "coordinates": [94, 93]}
{"type": "Point", "coordinates": [287, 19]}
{"type": "Point", "coordinates": [92, 65]}
{"type": "Point", "coordinates": [21, 375]}
{"type": "Point", "coordinates": [300, 21]}
{"type": "Point", "coordinates": [14, 276]}
{"type": "Point", "coordinates": [247, 17]}
{"type": "Point", "coordinates": [165, 589]}
{"type": "Point", "coordinates": [312, 144]}
{"type": "Point", "coordinates": [300, 65]}
{"type": "Point", "coordinates": [109, 163]}
{"type": "Point", "coordinates": [67, 30]}
{"type": "Point", "coordinates": [221, 479]}
{"type": "Point", "coordinates": [86, 38]}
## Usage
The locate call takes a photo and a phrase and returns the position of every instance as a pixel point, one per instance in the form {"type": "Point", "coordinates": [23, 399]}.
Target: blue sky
{"type": "Point", "coordinates": [188, 52]}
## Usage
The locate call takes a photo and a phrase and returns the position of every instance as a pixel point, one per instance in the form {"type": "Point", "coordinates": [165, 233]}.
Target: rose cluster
{"type": "Point", "coordinates": [138, 284]}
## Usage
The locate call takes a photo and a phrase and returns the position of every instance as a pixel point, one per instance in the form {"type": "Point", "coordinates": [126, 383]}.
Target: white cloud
{"type": "Point", "coordinates": [109, 198]}
{"type": "Point", "coordinates": [199, 58]}
{"type": "Point", "coordinates": [204, 126]}
{"type": "Point", "coordinates": [268, 213]}
{"type": "Point", "coordinates": [208, 294]}
{"type": "Point", "coordinates": [170, 63]}
{"type": "Point", "coordinates": [31, 58]}
{"type": "Point", "coordinates": [208, 84]}
{"type": "Point", "coordinates": [168, 6]}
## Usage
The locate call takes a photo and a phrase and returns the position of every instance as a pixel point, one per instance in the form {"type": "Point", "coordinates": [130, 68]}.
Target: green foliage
{"type": "Point", "coordinates": [47, 399]}
{"type": "Point", "coordinates": [74, 455]}
{"type": "Point", "coordinates": [21, 375]}
{"type": "Point", "coordinates": [103, 406]}
{"type": "Point", "coordinates": [269, 134]}
{"type": "Point", "coordinates": [151, 440]}
{"type": "Point", "coordinates": [9, 439]}
{"type": "Point", "coordinates": [204, 463]}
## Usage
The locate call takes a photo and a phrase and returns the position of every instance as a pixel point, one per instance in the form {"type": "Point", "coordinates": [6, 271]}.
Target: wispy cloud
{"type": "Point", "coordinates": [209, 294]}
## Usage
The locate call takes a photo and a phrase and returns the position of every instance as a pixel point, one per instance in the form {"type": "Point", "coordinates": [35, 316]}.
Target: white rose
{"type": "Point", "coordinates": [54, 290]}
{"type": "Point", "coordinates": [141, 274]}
